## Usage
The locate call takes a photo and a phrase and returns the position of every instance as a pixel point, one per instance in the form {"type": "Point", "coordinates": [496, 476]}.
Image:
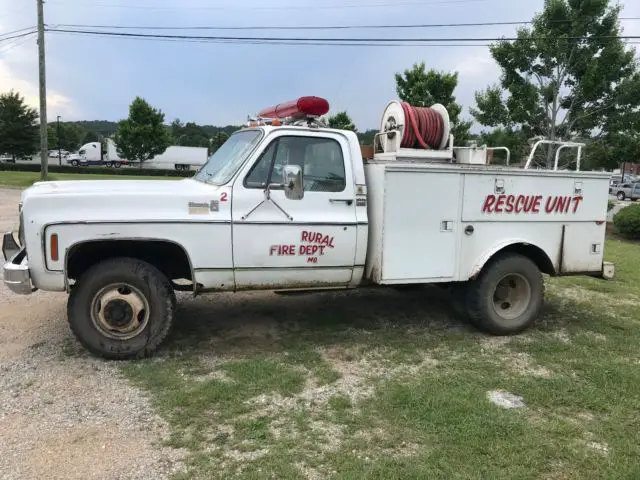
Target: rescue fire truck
{"type": "Point", "coordinates": [289, 205]}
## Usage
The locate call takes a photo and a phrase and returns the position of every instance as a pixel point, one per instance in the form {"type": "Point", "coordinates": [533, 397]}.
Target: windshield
{"type": "Point", "coordinates": [226, 161]}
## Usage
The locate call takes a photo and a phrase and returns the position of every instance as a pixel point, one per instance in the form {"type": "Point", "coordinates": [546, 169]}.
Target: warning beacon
{"type": "Point", "coordinates": [297, 109]}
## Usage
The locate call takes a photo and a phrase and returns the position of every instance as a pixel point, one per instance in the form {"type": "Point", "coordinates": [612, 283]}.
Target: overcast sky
{"type": "Point", "coordinates": [91, 78]}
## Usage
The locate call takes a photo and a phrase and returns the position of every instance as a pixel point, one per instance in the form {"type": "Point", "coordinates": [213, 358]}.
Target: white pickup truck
{"type": "Point", "coordinates": [294, 207]}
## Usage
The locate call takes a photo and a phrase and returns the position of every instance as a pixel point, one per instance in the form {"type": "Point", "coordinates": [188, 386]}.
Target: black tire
{"type": "Point", "coordinates": [74, 163]}
{"type": "Point", "coordinates": [146, 284]}
{"type": "Point", "coordinates": [117, 164]}
{"type": "Point", "coordinates": [515, 276]}
{"type": "Point", "coordinates": [109, 164]}
{"type": "Point", "coordinates": [621, 196]}
{"type": "Point", "coordinates": [458, 292]}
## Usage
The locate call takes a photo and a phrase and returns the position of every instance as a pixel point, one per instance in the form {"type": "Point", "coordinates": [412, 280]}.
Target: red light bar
{"type": "Point", "coordinates": [303, 106]}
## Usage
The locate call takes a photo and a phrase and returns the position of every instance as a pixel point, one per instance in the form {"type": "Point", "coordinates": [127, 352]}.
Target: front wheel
{"type": "Point", "coordinates": [121, 308]}
{"type": "Point", "coordinates": [507, 296]}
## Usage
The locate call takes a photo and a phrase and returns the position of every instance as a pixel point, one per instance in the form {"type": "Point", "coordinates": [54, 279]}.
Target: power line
{"type": "Point", "coordinates": [284, 42]}
{"type": "Point", "coordinates": [308, 27]}
{"type": "Point", "coordinates": [332, 40]}
{"type": "Point", "coordinates": [289, 27]}
{"type": "Point", "coordinates": [4, 39]}
{"type": "Point", "coordinates": [18, 31]}
{"type": "Point", "coordinates": [290, 7]}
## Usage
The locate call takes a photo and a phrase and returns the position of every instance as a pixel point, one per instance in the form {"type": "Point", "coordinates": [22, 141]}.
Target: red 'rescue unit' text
{"type": "Point", "coordinates": [531, 204]}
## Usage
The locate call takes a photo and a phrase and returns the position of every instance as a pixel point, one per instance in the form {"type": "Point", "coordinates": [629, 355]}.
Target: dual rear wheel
{"type": "Point", "coordinates": [505, 298]}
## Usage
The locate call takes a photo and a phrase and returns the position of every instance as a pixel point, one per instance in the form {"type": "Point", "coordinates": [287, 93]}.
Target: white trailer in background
{"type": "Point", "coordinates": [178, 158]}
{"type": "Point", "coordinates": [173, 158]}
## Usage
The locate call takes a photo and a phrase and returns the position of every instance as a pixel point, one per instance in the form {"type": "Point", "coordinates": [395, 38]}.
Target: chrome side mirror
{"type": "Point", "coordinates": [293, 182]}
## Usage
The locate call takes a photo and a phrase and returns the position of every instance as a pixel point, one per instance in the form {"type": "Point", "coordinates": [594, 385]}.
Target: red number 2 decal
{"type": "Point", "coordinates": [223, 197]}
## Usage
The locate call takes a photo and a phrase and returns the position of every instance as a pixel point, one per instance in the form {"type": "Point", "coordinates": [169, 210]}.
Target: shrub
{"type": "Point", "coordinates": [627, 221]}
{"type": "Point", "coordinates": [147, 172]}
{"type": "Point", "coordinates": [610, 205]}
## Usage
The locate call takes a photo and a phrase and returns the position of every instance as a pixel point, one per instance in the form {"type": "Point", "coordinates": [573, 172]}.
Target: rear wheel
{"type": "Point", "coordinates": [458, 294]}
{"type": "Point", "coordinates": [74, 163]}
{"type": "Point", "coordinates": [507, 296]}
{"type": "Point", "coordinates": [621, 196]}
{"type": "Point", "coordinates": [117, 164]}
{"type": "Point", "coordinates": [121, 308]}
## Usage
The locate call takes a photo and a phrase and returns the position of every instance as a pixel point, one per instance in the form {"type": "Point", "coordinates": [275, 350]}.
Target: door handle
{"type": "Point", "coordinates": [348, 201]}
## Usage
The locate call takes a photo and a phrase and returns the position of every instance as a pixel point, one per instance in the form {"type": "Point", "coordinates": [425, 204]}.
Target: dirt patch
{"type": "Point", "coordinates": [599, 337]}
{"type": "Point", "coordinates": [356, 381]}
{"type": "Point", "coordinates": [562, 336]}
{"type": "Point", "coordinates": [519, 363]}
{"type": "Point", "coordinates": [584, 295]}
{"type": "Point", "coordinates": [523, 364]}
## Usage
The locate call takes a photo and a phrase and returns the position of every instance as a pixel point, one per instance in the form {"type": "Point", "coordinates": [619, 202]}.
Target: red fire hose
{"type": "Point", "coordinates": [424, 127]}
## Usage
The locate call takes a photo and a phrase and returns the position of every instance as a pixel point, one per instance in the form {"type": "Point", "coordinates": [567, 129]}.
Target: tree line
{"type": "Point", "coordinates": [567, 76]}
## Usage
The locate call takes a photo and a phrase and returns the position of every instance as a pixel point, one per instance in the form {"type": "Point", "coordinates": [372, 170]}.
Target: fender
{"type": "Point", "coordinates": [502, 245]}
{"type": "Point", "coordinates": [80, 243]}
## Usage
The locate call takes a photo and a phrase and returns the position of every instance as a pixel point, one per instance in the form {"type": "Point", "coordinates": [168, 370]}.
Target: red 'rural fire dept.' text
{"type": "Point", "coordinates": [313, 245]}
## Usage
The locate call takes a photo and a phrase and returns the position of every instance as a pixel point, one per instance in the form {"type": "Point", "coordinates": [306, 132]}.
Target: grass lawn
{"type": "Point", "coordinates": [390, 385]}
{"type": "Point", "coordinates": [26, 179]}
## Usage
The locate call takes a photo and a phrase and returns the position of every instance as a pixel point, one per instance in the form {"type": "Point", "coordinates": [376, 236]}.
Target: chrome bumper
{"type": "Point", "coordinates": [16, 270]}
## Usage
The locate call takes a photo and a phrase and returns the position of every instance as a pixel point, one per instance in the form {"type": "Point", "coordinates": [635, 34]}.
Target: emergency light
{"type": "Point", "coordinates": [302, 107]}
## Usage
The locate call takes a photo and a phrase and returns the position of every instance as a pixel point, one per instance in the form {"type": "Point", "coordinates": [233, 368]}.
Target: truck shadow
{"type": "Point", "coordinates": [245, 323]}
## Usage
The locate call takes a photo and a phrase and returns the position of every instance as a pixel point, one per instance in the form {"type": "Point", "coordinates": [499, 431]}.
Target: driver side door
{"type": "Point", "coordinates": [291, 243]}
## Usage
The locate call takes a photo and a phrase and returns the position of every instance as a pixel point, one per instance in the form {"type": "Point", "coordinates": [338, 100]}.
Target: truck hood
{"type": "Point", "coordinates": [97, 187]}
{"type": "Point", "coordinates": [126, 200]}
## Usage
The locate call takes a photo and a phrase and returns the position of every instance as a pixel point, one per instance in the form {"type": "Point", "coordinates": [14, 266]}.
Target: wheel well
{"type": "Point", "coordinates": [168, 257]}
{"type": "Point", "coordinates": [535, 254]}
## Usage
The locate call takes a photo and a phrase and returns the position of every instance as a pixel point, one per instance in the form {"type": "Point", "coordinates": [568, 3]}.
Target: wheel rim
{"type": "Point", "coordinates": [511, 296]}
{"type": "Point", "coordinates": [120, 311]}
{"type": "Point", "coordinates": [620, 196]}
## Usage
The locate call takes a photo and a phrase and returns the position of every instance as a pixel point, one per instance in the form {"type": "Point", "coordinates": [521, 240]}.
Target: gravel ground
{"type": "Point", "coordinates": [63, 414]}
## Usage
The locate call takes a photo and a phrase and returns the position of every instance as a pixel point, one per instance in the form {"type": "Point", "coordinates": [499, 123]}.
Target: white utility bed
{"type": "Point", "coordinates": [439, 222]}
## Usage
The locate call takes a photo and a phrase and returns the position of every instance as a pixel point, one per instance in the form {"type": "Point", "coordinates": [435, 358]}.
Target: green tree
{"type": "Point", "coordinates": [192, 135]}
{"type": "Point", "coordinates": [18, 128]}
{"type": "Point", "coordinates": [515, 141]}
{"type": "Point", "coordinates": [217, 140]}
{"type": "Point", "coordinates": [366, 137]}
{"type": "Point", "coordinates": [176, 128]}
{"type": "Point", "coordinates": [567, 76]}
{"type": "Point", "coordinates": [142, 136]}
{"type": "Point", "coordinates": [341, 121]}
{"type": "Point", "coordinates": [71, 136]}
{"type": "Point", "coordinates": [422, 88]}
{"type": "Point", "coordinates": [90, 136]}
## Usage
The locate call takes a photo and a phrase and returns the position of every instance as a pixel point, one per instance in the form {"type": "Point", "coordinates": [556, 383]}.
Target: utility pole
{"type": "Point", "coordinates": [58, 135]}
{"type": "Point", "coordinates": [44, 152]}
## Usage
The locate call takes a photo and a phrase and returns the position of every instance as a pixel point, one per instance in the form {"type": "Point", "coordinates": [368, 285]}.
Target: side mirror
{"type": "Point", "coordinates": [292, 180]}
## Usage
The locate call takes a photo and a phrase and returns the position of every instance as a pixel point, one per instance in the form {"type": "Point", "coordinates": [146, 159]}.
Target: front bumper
{"type": "Point", "coordinates": [16, 269]}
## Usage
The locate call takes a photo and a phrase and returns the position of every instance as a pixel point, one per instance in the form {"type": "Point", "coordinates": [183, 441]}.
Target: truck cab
{"type": "Point", "coordinates": [87, 155]}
